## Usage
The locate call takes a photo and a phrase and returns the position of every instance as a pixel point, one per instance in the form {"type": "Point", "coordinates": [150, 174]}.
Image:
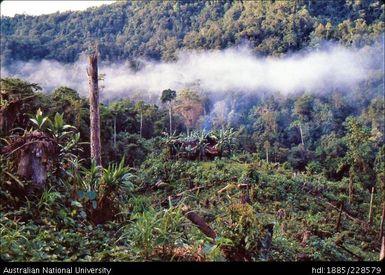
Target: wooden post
{"type": "Point", "coordinates": [339, 218]}
{"type": "Point", "coordinates": [371, 208]}
{"type": "Point", "coordinates": [92, 71]}
{"type": "Point", "coordinates": [382, 252]}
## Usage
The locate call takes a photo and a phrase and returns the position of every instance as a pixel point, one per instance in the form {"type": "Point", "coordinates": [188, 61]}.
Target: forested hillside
{"type": "Point", "coordinates": [156, 29]}
{"type": "Point", "coordinates": [194, 174]}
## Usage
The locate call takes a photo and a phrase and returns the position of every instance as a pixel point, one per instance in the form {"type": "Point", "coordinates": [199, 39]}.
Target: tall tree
{"type": "Point", "coordinates": [379, 165]}
{"type": "Point", "coordinates": [266, 146]}
{"type": "Point", "coordinates": [68, 102]}
{"type": "Point", "coordinates": [92, 71]}
{"type": "Point", "coordinates": [189, 106]}
{"type": "Point", "coordinates": [359, 157]}
{"type": "Point", "coordinates": [145, 111]}
{"type": "Point", "coordinates": [297, 123]}
{"type": "Point", "coordinates": [303, 108]}
{"type": "Point", "coordinates": [139, 107]}
{"type": "Point", "coordinates": [168, 97]}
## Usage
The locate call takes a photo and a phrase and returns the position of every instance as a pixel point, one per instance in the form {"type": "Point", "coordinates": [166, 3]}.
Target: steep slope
{"type": "Point", "coordinates": [157, 29]}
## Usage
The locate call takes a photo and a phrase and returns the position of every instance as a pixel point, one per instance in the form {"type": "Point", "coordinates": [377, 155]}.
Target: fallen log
{"type": "Point", "coordinates": [232, 186]}
{"type": "Point", "coordinates": [196, 188]}
{"type": "Point", "coordinates": [159, 184]}
{"type": "Point", "coordinates": [351, 253]}
{"type": "Point", "coordinates": [339, 217]}
{"type": "Point", "coordinates": [346, 214]}
{"type": "Point", "coordinates": [199, 222]}
{"type": "Point", "coordinates": [184, 192]}
{"type": "Point", "coordinates": [322, 233]}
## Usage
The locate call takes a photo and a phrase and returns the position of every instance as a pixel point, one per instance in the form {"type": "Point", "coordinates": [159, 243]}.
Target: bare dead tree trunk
{"type": "Point", "coordinates": [115, 131]}
{"type": "Point", "coordinates": [141, 123]}
{"type": "Point", "coordinates": [382, 221]}
{"type": "Point", "coordinates": [300, 131]}
{"type": "Point", "coordinates": [92, 71]}
{"type": "Point", "coordinates": [382, 253]}
{"type": "Point", "coordinates": [371, 208]}
{"type": "Point", "coordinates": [350, 189]}
{"type": "Point", "coordinates": [339, 218]}
{"type": "Point", "coordinates": [170, 115]}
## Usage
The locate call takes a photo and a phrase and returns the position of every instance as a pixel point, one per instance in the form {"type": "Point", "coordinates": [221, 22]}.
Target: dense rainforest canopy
{"type": "Point", "coordinates": [157, 29]}
{"type": "Point", "coordinates": [192, 175]}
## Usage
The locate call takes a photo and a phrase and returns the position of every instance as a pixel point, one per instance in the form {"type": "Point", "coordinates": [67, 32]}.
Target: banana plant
{"type": "Point", "coordinates": [58, 129]}
{"type": "Point", "coordinates": [202, 145]}
{"type": "Point", "coordinates": [171, 143]}
{"type": "Point", "coordinates": [226, 140]}
{"type": "Point", "coordinates": [189, 150]}
{"type": "Point", "coordinates": [67, 139]}
{"type": "Point", "coordinates": [39, 121]}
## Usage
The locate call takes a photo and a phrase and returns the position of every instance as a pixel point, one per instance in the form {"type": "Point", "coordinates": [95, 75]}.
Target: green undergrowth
{"type": "Point", "coordinates": [150, 225]}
